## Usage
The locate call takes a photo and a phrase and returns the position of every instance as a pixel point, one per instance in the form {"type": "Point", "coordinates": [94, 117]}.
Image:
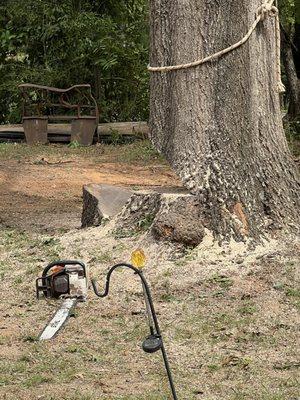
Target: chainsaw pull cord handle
{"type": "Point", "coordinates": [151, 307]}
{"type": "Point", "coordinates": [63, 263]}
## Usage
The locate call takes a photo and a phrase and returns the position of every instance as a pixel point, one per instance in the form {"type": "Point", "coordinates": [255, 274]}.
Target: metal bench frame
{"type": "Point", "coordinates": [83, 125]}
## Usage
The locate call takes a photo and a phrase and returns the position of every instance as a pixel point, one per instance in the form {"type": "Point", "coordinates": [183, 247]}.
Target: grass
{"type": "Point", "coordinates": [290, 283]}
{"type": "Point", "coordinates": [249, 308]}
{"type": "Point", "coordinates": [293, 294]}
{"type": "Point", "coordinates": [213, 341]}
{"type": "Point", "coordinates": [190, 254]}
{"type": "Point", "coordinates": [222, 281]}
{"type": "Point", "coordinates": [145, 223]}
{"type": "Point", "coordinates": [139, 152]}
{"type": "Point", "coordinates": [120, 233]}
{"type": "Point", "coordinates": [100, 257]}
{"type": "Point", "coordinates": [24, 255]}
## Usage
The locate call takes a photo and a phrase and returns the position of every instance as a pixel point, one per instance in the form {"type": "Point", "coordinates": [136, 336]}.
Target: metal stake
{"type": "Point", "coordinates": [150, 311]}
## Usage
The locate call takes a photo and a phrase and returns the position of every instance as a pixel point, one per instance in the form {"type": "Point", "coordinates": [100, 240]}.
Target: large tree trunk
{"type": "Point", "coordinates": [219, 124]}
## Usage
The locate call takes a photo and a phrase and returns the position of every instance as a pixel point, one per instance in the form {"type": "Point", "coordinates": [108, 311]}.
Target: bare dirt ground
{"type": "Point", "coordinates": [41, 187]}
{"type": "Point", "coordinates": [230, 315]}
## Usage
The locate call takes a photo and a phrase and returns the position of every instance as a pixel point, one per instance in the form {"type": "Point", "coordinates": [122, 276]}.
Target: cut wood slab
{"type": "Point", "coordinates": [102, 201]}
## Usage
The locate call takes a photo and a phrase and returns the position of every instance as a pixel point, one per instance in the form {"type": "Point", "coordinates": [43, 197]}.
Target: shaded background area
{"type": "Point", "coordinates": [62, 43]}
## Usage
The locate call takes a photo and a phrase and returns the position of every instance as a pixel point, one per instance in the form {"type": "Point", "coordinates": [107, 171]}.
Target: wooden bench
{"type": "Point", "coordinates": [42, 104]}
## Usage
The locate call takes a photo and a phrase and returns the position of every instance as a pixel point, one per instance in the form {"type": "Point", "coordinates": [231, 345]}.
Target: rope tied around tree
{"type": "Point", "coordinates": [265, 11]}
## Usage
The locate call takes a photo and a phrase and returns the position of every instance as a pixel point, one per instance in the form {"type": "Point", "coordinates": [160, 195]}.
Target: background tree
{"type": "Point", "coordinates": [290, 28]}
{"type": "Point", "coordinates": [219, 124]}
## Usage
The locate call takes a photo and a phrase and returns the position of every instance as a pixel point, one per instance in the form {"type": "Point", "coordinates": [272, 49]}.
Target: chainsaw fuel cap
{"type": "Point", "coordinates": [152, 344]}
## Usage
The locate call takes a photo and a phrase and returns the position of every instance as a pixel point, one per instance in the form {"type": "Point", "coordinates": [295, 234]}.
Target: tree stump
{"type": "Point", "coordinates": [168, 214]}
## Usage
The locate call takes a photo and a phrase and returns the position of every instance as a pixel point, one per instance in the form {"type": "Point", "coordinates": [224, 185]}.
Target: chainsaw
{"type": "Point", "coordinates": [65, 280]}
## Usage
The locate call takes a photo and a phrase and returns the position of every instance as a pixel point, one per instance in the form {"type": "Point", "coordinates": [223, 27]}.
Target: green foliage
{"type": "Point", "coordinates": [74, 144]}
{"type": "Point", "coordinates": [66, 42]}
{"type": "Point", "coordinates": [287, 12]}
{"type": "Point", "coordinates": [116, 137]}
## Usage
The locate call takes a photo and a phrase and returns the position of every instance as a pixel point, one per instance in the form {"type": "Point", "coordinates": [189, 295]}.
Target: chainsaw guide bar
{"type": "Point", "coordinates": [59, 319]}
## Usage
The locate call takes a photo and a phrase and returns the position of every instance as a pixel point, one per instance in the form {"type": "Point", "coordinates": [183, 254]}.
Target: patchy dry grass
{"type": "Point", "coordinates": [139, 152]}
{"type": "Point", "coordinates": [231, 333]}
{"type": "Point", "coordinates": [230, 318]}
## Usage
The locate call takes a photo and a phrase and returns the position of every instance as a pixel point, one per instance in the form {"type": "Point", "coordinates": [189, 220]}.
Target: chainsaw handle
{"type": "Point", "coordinates": [63, 263]}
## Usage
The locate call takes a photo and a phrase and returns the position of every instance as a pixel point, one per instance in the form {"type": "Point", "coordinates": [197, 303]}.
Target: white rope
{"type": "Point", "coordinates": [266, 10]}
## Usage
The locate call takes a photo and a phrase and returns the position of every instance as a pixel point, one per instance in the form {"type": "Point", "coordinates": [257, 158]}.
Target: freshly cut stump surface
{"type": "Point", "coordinates": [102, 201]}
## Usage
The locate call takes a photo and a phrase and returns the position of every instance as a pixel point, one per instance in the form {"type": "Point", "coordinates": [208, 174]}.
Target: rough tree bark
{"type": "Point", "coordinates": [219, 125]}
